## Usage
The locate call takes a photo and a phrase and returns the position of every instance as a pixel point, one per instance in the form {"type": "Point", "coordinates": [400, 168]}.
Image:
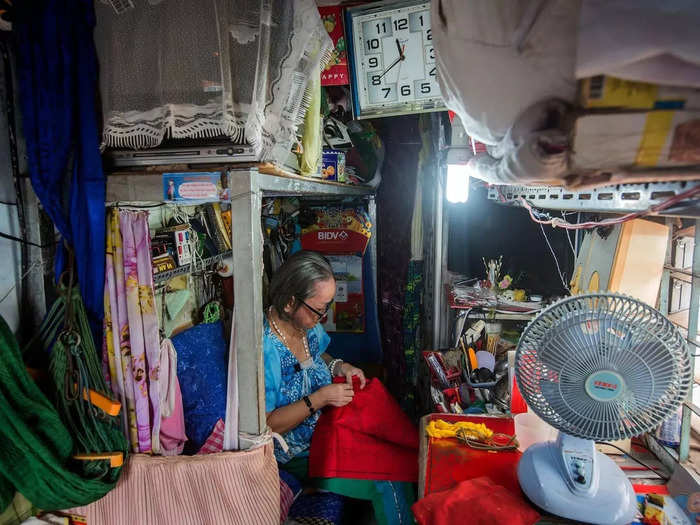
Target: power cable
{"type": "Point", "coordinates": [563, 223]}
{"type": "Point", "coordinates": [556, 261]}
{"type": "Point", "coordinates": [636, 460]}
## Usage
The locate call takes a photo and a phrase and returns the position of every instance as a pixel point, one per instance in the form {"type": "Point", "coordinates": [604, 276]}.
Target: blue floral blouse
{"type": "Point", "coordinates": [285, 384]}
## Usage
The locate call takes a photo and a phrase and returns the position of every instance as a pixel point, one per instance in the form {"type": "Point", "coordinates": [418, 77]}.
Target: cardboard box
{"type": "Point", "coordinates": [609, 92]}
{"type": "Point", "coordinates": [626, 139]}
{"type": "Point", "coordinates": [337, 72]}
{"type": "Point", "coordinates": [333, 165]}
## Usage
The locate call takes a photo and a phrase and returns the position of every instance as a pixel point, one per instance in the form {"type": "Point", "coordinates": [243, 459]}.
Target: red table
{"type": "Point", "coordinates": [443, 463]}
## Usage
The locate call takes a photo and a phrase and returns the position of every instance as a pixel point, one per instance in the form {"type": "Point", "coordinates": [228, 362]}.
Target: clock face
{"type": "Point", "coordinates": [394, 60]}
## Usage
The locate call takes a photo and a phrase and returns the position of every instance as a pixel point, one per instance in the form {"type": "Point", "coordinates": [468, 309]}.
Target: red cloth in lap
{"type": "Point", "coordinates": [484, 502]}
{"type": "Point", "coordinates": [370, 438]}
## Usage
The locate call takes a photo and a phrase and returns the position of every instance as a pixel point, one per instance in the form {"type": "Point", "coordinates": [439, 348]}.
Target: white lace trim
{"type": "Point", "coordinates": [269, 124]}
{"type": "Point", "coordinates": [147, 129]}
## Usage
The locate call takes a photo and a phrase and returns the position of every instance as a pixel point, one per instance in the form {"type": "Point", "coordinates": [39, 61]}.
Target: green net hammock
{"type": "Point", "coordinates": [39, 437]}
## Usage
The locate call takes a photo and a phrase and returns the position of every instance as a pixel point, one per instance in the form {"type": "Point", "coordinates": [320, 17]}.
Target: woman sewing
{"type": "Point", "coordinates": [298, 374]}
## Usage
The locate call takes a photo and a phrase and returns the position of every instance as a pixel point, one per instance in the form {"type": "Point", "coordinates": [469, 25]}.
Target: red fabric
{"type": "Point", "coordinates": [370, 438]}
{"type": "Point", "coordinates": [449, 462]}
{"type": "Point", "coordinates": [215, 441]}
{"type": "Point", "coordinates": [484, 502]}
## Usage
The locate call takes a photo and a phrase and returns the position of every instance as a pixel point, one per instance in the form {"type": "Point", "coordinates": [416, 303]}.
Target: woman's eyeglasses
{"type": "Point", "coordinates": [318, 313]}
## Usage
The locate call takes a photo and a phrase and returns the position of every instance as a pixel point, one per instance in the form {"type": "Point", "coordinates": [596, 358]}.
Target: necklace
{"type": "Point", "coordinates": [306, 363]}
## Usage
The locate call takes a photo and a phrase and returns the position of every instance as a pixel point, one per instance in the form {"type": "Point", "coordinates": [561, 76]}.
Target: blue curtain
{"type": "Point", "coordinates": [57, 74]}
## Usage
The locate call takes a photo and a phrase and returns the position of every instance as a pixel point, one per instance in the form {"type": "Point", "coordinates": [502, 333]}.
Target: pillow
{"type": "Point", "coordinates": [202, 370]}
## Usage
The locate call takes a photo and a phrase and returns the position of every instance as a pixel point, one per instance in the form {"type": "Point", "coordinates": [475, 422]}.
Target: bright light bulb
{"type": "Point", "coordinates": [457, 189]}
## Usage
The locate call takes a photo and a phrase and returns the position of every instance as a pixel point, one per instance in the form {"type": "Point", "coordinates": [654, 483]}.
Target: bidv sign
{"type": "Point", "coordinates": [333, 235]}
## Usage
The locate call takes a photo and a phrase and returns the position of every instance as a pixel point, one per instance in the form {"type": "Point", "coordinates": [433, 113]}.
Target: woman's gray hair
{"type": "Point", "coordinates": [296, 279]}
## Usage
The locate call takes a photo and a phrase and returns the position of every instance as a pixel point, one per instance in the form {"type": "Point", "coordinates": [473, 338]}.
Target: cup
{"type": "Point", "coordinates": [493, 335]}
{"type": "Point", "coordinates": [530, 429]}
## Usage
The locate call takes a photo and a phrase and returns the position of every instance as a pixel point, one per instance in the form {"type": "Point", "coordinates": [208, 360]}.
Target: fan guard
{"type": "Point", "coordinates": [602, 366]}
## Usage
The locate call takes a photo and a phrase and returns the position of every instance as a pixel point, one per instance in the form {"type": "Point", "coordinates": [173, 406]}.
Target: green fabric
{"type": "Point", "coordinates": [298, 467]}
{"type": "Point", "coordinates": [36, 443]}
{"type": "Point", "coordinates": [385, 496]}
{"type": "Point", "coordinates": [357, 489]}
{"type": "Point", "coordinates": [411, 333]}
{"type": "Point", "coordinates": [176, 301]}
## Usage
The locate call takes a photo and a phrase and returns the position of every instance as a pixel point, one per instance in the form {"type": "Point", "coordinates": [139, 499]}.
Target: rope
{"type": "Point", "coordinates": [212, 312]}
{"type": "Point", "coordinates": [74, 367]}
{"type": "Point", "coordinates": [261, 440]}
{"type": "Point", "coordinates": [497, 441]}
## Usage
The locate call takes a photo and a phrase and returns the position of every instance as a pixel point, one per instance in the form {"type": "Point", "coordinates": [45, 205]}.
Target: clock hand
{"type": "Point", "coordinates": [401, 58]}
{"type": "Point", "coordinates": [398, 45]}
{"type": "Point", "coordinates": [391, 66]}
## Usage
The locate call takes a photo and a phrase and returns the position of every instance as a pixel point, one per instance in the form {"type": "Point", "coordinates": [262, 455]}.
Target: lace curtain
{"type": "Point", "coordinates": [205, 68]}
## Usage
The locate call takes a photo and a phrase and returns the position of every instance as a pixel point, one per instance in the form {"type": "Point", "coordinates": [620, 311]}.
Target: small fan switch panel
{"type": "Point", "coordinates": [580, 468]}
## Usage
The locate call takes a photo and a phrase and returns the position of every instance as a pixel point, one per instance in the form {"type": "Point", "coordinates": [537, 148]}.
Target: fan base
{"type": "Point", "coordinates": [608, 500]}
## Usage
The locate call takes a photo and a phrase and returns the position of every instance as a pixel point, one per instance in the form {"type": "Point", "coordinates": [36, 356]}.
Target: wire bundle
{"type": "Point", "coordinates": [563, 223]}
{"type": "Point", "coordinates": [497, 441]}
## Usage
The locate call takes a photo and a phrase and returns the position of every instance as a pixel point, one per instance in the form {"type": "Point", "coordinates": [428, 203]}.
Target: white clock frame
{"type": "Point", "coordinates": [400, 77]}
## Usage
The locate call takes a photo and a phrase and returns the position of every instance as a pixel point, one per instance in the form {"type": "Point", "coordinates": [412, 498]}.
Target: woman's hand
{"type": "Point", "coordinates": [337, 394]}
{"type": "Point", "coordinates": [348, 371]}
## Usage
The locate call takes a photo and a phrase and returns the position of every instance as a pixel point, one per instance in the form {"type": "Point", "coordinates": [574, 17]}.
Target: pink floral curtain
{"type": "Point", "coordinates": [131, 339]}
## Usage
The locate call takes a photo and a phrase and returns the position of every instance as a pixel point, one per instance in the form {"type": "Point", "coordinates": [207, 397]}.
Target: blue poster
{"type": "Point", "coordinates": [196, 187]}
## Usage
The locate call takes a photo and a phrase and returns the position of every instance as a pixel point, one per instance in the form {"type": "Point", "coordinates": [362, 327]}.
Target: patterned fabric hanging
{"type": "Point", "coordinates": [396, 196]}
{"type": "Point", "coordinates": [130, 308]}
{"type": "Point", "coordinates": [411, 329]}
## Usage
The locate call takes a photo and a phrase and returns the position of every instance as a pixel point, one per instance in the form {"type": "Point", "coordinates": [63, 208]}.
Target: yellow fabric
{"type": "Point", "coordinates": [311, 139]}
{"type": "Point", "coordinates": [656, 131]}
{"type": "Point", "coordinates": [442, 429]}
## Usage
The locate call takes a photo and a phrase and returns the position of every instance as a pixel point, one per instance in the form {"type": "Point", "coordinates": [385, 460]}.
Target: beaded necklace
{"type": "Point", "coordinates": [306, 363]}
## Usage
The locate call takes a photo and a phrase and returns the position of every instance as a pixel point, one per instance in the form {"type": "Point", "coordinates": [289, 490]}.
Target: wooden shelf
{"type": "Point", "coordinates": [679, 318]}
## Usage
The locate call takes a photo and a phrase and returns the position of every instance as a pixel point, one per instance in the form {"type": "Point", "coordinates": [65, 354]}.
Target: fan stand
{"type": "Point", "coordinates": [570, 478]}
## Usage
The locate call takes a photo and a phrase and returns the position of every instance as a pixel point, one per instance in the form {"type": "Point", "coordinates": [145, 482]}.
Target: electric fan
{"type": "Point", "coordinates": [597, 367]}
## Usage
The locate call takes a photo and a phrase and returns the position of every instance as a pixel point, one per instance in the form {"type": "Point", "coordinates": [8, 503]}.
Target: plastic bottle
{"type": "Point", "coordinates": [669, 432]}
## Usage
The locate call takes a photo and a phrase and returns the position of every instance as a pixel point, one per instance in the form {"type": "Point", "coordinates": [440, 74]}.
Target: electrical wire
{"type": "Point", "coordinates": [556, 261]}
{"type": "Point", "coordinates": [31, 268]}
{"type": "Point", "coordinates": [558, 222]}
{"type": "Point", "coordinates": [129, 205]}
{"type": "Point", "coordinates": [23, 241]}
{"type": "Point", "coordinates": [497, 441]}
{"type": "Point", "coordinates": [573, 250]}
{"type": "Point", "coordinates": [636, 460]}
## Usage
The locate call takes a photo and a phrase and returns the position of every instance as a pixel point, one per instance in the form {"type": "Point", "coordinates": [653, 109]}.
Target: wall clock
{"type": "Point", "coordinates": [392, 59]}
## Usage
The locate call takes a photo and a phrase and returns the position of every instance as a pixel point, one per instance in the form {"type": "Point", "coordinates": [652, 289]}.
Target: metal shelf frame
{"type": "Point", "coordinates": [248, 185]}
{"type": "Point", "coordinates": [621, 198]}
{"type": "Point", "coordinates": [187, 268]}
{"type": "Point", "coordinates": [626, 198]}
{"type": "Point", "coordinates": [148, 186]}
